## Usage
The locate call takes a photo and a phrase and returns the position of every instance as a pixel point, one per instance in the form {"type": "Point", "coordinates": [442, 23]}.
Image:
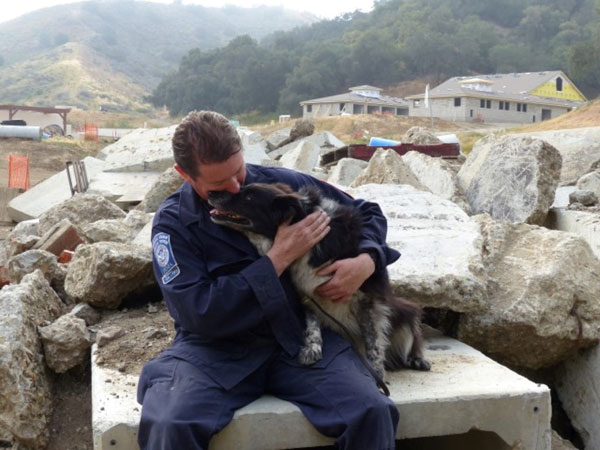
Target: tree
{"type": "Point", "coordinates": [540, 23]}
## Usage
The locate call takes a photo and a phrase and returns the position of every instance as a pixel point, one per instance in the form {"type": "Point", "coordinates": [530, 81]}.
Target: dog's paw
{"type": "Point", "coordinates": [310, 354]}
{"type": "Point", "coordinates": [419, 364]}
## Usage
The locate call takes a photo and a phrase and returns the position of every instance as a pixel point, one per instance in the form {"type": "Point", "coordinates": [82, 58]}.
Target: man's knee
{"type": "Point", "coordinates": [382, 411]}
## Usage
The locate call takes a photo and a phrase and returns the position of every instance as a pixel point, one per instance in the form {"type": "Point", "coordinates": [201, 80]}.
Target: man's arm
{"type": "Point", "coordinates": [216, 296]}
{"type": "Point", "coordinates": [206, 302]}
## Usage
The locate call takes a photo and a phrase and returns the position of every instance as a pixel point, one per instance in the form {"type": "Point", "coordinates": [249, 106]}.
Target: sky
{"type": "Point", "coordinates": [326, 9]}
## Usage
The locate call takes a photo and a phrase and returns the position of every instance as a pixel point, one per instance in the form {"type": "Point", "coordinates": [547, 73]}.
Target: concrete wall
{"type": "Point", "coordinates": [34, 118]}
{"type": "Point", "coordinates": [470, 110]}
{"type": "Point", "coordinates": [322, 110]}
{"type": "Point", "coordinates": [335, 109]}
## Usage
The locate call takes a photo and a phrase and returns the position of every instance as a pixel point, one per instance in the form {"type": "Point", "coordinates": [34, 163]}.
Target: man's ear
{"type": "Point", "coordinates": [183, 174]}
{"type": "Point", "coordinates": [288, 206]}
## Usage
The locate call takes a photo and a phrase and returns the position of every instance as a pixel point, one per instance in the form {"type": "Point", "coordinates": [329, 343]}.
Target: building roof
{"type": "Point", "coordinates": [509, 86]}
{"type": "Point", "coordinates": [353, 97]}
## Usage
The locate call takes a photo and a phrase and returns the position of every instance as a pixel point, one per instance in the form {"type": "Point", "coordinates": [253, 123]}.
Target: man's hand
{"type": "Point", "coordinates": [293, 241]}
{"type": "Point", "coordinates": [348, 276]}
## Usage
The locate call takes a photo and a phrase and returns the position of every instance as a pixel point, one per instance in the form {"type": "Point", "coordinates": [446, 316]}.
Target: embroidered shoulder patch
{"type": "Point", "coordinates": [164, 257]}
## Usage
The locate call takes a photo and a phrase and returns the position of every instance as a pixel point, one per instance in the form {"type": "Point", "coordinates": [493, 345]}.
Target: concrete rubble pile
{"type": "Point", "coordinates": [49, 305]}
{"type": "Point", "coordinates": [474, 251]}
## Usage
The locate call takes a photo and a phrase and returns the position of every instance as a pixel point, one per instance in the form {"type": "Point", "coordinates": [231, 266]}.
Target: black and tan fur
{"type": "Point", "coordinates": [385, 328]}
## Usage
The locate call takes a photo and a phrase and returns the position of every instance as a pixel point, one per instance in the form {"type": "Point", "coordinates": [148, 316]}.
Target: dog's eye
{"type": "Point", "coordinates": [248, 197]}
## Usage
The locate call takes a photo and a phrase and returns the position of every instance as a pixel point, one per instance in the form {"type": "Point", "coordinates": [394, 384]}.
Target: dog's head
{"type": "Point", "coordinates": [257, 207]}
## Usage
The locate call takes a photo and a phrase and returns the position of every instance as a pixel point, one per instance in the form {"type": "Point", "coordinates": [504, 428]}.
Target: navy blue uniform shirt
{"type": "Point", "coordinates": [231, 310]}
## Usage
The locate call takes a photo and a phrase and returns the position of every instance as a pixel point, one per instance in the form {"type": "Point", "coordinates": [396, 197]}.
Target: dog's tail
{"type": "Point", "coordinates": [406, 339]}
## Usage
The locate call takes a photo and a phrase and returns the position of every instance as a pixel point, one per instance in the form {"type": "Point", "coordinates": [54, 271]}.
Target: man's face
{"type": "Point", "coordinates": [228, 175]}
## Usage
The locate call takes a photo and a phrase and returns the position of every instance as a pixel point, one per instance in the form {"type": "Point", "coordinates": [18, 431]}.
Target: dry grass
{"type": "Point", "coordinates": [582, 117]}
{"type": "Point", "coordinates": [357, 129]}
{"type": "Point", "coordinates": [156, 119]}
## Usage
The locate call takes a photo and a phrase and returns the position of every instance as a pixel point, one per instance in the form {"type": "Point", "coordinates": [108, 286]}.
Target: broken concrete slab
{"type": "Point", "coordinates": [255, 154]}
{"type": "Point", "coordinates": [325, 140]}
{"type": "Point", "coordinates": [116, 230]}
{"type": "Point", "coordinates": [559, 443]}
{"type": "Point", "coordinates": [511, 178]}
{"type": "Point", "coordinates": [583, 198]}
{"type": "Point", "coordinates": [26, 389]}
{"type": "Point", "coordinates": [144, 237]}
{"type": "Point", "coordinates": [304, 157]}
{"type": "Point", "coordinates": [167, 183]}
{"type": "Point", "coordinates": [30, 261]}
{"type": "Point", "coordinates": [437, 175]}
{"type": "Point", "coordinates": [542, 295]}
{"type": "Point", "coordinates": [579, 148]}
{"type": "Point", "coordinates": [561, 196]}
{"type": "Point", "coordinates": [463, 391]}
{"type": "Point", "coordinates": [590, 182]}
{"type": "Point", "coordinates": [66, 343]}
{"type": "Point", "coordinates": [578, 385]}
{"type": "Point", "coordinates": [87, 313]}
{"type": "Point", "coordinates": [102, 274]}
{"type": "Point", "coordinates": [441, 264]}
{"type": "Point", "coordinates": [13, 246]}
{"type": "Point", "coordinates": [50, 192]}
{"type": "Point", "coordinates": [142, 150]}
{"type": "Point", "coordinates": [346, 171]}
{"type": "Point", "coordinates": [278, 138]}
{"type": "Point", "coordinates": [421, 136]}
{"type": "Point", "coordinates": [80, 210]}
{"type": "Point", "coordinates": [114, 185]}
{"type": "Point", "coordinates": [387, 167]}
{"type": "Point", "coordinates": [584, 224]}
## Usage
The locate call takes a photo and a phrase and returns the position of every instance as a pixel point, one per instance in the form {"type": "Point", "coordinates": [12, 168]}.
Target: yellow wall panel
{"type": "Point", "coordinates": [548, 89]}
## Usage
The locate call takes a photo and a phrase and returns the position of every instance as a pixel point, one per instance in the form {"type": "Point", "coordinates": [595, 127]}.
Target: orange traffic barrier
{"type": "Point", "coordinates": [90, 132]}
{"type": "Point", "coordinates": [18, 172]}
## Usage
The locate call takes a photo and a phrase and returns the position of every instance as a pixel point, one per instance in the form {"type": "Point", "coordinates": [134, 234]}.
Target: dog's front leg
{"type": "Point", "coordinates": [312, 351]}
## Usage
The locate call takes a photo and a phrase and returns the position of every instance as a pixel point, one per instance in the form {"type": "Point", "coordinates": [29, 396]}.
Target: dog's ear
{"type": "Point", "coordinates": [283, 188]}
{"type": "Point", "coordinates": [288, 206]}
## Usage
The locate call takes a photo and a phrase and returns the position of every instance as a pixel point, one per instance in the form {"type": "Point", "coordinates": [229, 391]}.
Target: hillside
{"type": "Point", "coordinates": [398, 41]}
{"type": "Point", "coordinates": [120, 49]}
{"type": "Point", "coordinates": [71, 74]}
{"type": "Point", "coordinates": [585, 116]}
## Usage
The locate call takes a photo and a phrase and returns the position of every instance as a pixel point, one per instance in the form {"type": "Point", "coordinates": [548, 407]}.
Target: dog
{"type": "Point", "coordinates": [385, 328]}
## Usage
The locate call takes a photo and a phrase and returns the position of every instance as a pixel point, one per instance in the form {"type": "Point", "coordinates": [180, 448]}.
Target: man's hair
{"type": "Point", "coordinates": [204, 137]}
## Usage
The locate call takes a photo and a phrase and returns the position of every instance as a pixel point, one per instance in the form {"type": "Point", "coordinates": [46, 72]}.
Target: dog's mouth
{"type": "Point", "coordinates": [229, 218]}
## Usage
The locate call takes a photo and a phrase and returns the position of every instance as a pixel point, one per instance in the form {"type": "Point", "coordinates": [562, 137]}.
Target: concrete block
{"type": "Point", "coordinates": [465, 390]}
{"type": "Point", "coordinates": [113, 185]}
{"type": "Point", "coordinates": [585, 224]}
{"type": "Point", "coordinates": [561, 196]}
{"type": "Point", "coordinates": [578, 387]}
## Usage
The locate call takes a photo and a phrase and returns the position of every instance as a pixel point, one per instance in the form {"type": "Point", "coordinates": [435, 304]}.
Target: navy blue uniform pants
{"type": "Point", "coordinates": [183, 408]}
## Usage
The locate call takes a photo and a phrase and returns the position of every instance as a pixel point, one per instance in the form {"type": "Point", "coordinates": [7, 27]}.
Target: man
{"type": "Point", "coordinates": [239, 320]}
